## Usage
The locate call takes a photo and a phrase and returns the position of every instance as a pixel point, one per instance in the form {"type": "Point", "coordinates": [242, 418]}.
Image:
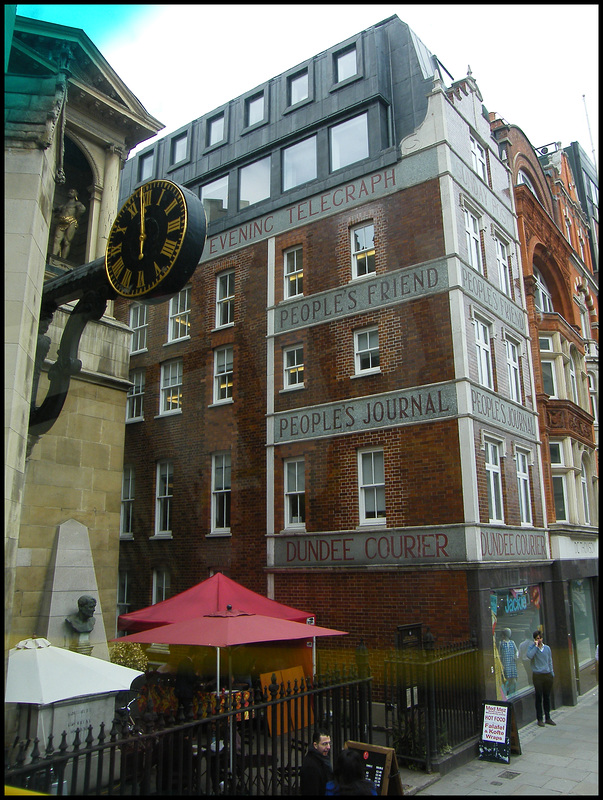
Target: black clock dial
{"type": "Point", "coordinates": [154, 233]}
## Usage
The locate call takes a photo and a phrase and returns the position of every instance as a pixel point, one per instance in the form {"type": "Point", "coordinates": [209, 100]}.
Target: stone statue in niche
{"type": "Point", "coordinates": [67, 217]}
{"type": "Point", "coordinates": [81, 624]}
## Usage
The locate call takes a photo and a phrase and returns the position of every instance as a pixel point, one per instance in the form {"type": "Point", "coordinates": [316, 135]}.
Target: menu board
{"type": "Point", "coordinates": [499, 733]}
{"type": "Point", "coordinates": [381, 767]}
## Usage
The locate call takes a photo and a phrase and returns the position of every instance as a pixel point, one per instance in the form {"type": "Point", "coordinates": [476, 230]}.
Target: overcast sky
{"type": "Point", "coordinates": [537, 66]}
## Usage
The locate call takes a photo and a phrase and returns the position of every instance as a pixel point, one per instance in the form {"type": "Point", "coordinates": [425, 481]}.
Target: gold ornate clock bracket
{"type": "Point", "coordinates": [87, 284]}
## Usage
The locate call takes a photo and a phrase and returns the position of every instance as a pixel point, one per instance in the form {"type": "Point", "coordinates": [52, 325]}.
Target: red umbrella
{"type": "Point", "coordinates": [228, 629]}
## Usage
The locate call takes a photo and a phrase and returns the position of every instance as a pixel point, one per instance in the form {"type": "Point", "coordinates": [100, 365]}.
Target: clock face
{"type": "Point", "coordinates": [149, 237]}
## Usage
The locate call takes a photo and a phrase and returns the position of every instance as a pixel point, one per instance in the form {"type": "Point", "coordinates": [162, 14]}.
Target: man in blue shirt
{"type": "Point", "coordinates": [541, 657]}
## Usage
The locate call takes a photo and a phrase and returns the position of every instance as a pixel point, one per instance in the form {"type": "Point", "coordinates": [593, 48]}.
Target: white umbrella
{"type": "Point", "coordinates": [39, 674]}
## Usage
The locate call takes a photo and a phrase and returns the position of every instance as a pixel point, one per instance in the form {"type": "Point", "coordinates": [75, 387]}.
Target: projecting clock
{"type": "Point", "coordinates": [155, 242]}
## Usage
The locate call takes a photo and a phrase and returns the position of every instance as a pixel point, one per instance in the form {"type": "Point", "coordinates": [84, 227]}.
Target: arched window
{"type": "Point", "coordinates": [542, 297]}
{"type": "Point", "coordinates": [523, 177]}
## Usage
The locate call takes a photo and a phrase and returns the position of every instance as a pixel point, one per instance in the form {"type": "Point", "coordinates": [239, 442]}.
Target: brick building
{"type": "Point", "coordinates": [340, 410]}
{"type": "Point", "coordinates": [562, 301]}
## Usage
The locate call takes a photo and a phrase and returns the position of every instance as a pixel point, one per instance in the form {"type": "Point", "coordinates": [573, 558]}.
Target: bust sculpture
{"type": "Point", "coordinates": [83, 621]}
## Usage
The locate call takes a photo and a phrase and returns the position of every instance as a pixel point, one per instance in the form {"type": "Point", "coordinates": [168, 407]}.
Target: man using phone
{"type": "Point", "coordinates": [541, 658]}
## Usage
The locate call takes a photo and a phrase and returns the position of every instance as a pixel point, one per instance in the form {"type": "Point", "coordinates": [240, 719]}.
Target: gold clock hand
{"type": "Point", "coordinates": [142, 232]}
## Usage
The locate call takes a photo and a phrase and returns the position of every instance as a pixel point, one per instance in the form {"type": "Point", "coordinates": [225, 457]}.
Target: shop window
{"type": "Point", "coordinates": [516, 614]}
{"type": "Point", "coordinates": [585, 636]}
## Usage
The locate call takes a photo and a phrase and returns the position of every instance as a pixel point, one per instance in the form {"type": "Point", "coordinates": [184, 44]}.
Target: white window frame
{"type": "Point", "coordinates": [179, 324]}
{"type": "Point", "coordinates": [559, 477]}
{"type": "Point", "coordinates": [493, 465]}
{"type": "Point", "coordinates": [170, 393]}
{"type": "Point", "coordinates": [362, 243]}
{"type": "Point", "coordinates": [162, 583]}
{"type": "Point", "coordinates": [164, 496]}
{"type": "Point", "coordinates": [295, 493]}
{"type": "Point", "coordinates": [223, 374]}
{"type": "Point", "coordinates": [473, 240]}
{"type": "Point", "coordinates": [573, 380]}
{"type": "Point", "coordinates": [478, 159]}
{"type": "Point", "coordinates": [504, 265]}
{"type": "Point", "coordinates": [585, 493]}
{"type": "Point", "coordinates": [221, 493]}
{"type": "Point", "coordinates": [135, 397]}
{"type": "Point", "coordinates": [139, 322]}
{"type": "Point", "coordinates": [366, 346]}
{"type": "Point", "coordinates": [513, 369]}
{"type": "Point", "coordinates": [293, 270]}
{"type": "Point", "coordinates": [523, 459]}
{"type": "Point", "coordinates": [126, 517]}
{"type": "Point", "coordinates": [592, 391]}
{"type": "Point", "coordinates": [483, 348]}
{"type": "Point", "coordinates": [371, 487]}
{"type": "Point", "coordinates": [543, 300]}
{"type": "Point", "coordinates": [551, 373]}
{"type": "Point", "coordinates": [225, 298]}
{"type": "Point", "coordinates": [293, 367]}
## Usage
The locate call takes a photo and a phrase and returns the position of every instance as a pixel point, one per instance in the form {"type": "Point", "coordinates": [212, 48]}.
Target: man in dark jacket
{"type": "Point", "coordinates": [316, 767]}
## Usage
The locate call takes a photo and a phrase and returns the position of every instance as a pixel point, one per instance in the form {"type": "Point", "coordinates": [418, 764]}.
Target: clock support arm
{"type": "Point", "coordinates": [89, 285]}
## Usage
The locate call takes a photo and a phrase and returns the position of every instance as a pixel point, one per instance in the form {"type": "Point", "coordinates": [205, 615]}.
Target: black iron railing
{"type": "Point", "coordinates": [255, 750]}
{"type": "Point", "coordinates": [432, 701]}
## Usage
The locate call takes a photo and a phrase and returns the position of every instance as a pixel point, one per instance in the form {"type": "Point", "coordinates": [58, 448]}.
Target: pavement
{"type": "Point", "coordinates": [554, 760]}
